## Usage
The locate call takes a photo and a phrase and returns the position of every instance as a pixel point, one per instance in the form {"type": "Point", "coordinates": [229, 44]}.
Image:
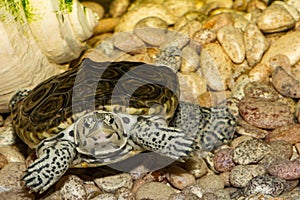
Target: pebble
{"type": "Point", "coordinates": [250, 151]}
{"type": "Point", "coordinates": [255, 44]}
{"type": "Point", "coordinates": [285, 169]}
{"type": "Point", "coordinates": [190, 60]}
{"type": "Point", "coordinates": [285, 84]}
{"type": "Point", "coordinates": [180, 7]}
{"type": "Point", "coordinates": [204, 36]}
{"type": "Point", "coordinates": [257, 89]}
{"type": "Point", "coordinates": [105, 196]}
{"type": "Point", "coordinates": [265, 184]}
{"type": "Point", "coordinates": [7, 134]}
{"type": "Point", "coordinates": [210, 98]}
{"type": "Point", "coordinates": [112, 183]}
{"type": "Point", "coordinates": [135, 14]}
{"type": "Point", "coordinates": [170, 57]}
{"type": "Point", "coordinates": [275, 18]}
{"type": "Point", "coordinates": [124, 194]}
{"type": "Point", "coordinates": [151, 30]}
{"type": "Point", "coordinates": [218, 21]}
{"type": "Point", "coordinates": [17, 194]}
{"type": "Point", "coordinates": [12, 154]}
{"type": "Point", "coordinates": [217, 70]}
{"type": "Point", "coordinates": [280, 60]}
{"type": "Point", "coordinates": [179, 177]}
{"type": "Point", "coordinates": [105, 25]}
{"type": "Point", "coordinates": [240, 175]}
{"type": "Point", "coordinates": [95, 7]}
{"type": "Point", "coordinates": [194, 190]}
{"type": "Point", "coordinates": [175, 40]}
{"type": "Point", "coordinates": [196, 166]}
{"type": "Point", "coordinates": [10, 176]}
{"type": "Point", "coordinates": [223, 160]}
{"type": "Point", "coordinates": [211, 183]}
{"type": "Point", "coordinates": [232, 40]}
{"type": "Point", "coordinates": [118, 7]}
{"type": "Point", "coordinates": [191, 86]}
{"type": "Point", "coordinates": [91, 190]}
{"type": "Point", "coordinates": [129, 43]}
{"type": "Point", "coordinates": [3, 160]}
{"type": "Point", "coordinates": [264, 113]}
{"type": "Point", "coordinates": [154, 190]}
{"type": "Point", "coordinates": [71, 187]}
{"type": "Point", "coordinates": [1, 121]}
{"type": "Point", "coordinates": [288, 45]}
{"type": "Point", "coordinates": [246, 129]}
{"type": "Point", "coordinates": [289, 134]}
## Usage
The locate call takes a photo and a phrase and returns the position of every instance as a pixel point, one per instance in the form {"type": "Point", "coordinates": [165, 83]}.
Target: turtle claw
{"type": "Point", "coordinates": [49, 167]}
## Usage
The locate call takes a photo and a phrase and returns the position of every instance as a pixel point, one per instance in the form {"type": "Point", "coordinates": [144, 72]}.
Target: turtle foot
{"type": "Point", "coordinates": [52, 163]}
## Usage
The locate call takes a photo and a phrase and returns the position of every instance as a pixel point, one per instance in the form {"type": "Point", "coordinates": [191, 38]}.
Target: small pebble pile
{"type": "Point", "coordinates": [245, 54]}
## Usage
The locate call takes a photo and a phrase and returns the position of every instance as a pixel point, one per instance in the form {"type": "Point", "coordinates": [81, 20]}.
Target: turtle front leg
{"type": "Point", "coordinates": [153, 133]}
{"type": "Point", "coordinates": [54, 157]}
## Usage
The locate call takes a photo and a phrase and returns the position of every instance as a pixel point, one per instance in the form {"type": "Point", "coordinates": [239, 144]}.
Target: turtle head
{"type": "Point", "coordinates": [100, 134]}
{"type": "Point", "coordinates": [19, 95]}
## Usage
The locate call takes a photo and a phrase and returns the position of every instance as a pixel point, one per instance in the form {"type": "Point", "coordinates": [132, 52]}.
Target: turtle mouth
{"type": "Point", "coordinates": [99, 134]}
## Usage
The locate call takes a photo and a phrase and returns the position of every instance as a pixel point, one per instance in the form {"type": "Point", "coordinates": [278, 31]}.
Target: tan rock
{"type": "Point", "coordinates": [154, 190]}
{"type": "Point", "coordinates": [179, 177]}
{"type": "Point", "coordinates": [289, 133]}
{"type": "Point", "coordinates": [129, 43]}
{"type": "Point", "coordinates": [118, 7]}
{"type": "Point", "coordinates": [95, 7]}
{"type": "Point", "coordinates": [106, 25]}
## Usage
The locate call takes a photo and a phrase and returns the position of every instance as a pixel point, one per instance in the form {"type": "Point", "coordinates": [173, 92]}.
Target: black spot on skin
{"type": "Point", "coordinates": [126, 120]}
{"type": "Point", "coordinates": [71, 133]}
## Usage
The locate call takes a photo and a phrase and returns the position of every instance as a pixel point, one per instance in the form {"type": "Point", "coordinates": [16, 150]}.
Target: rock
{"type": "Point", "coordinates": [255, 44]}
{"type": "Point", "coordinates": [223, 160]}
{"type": "Point", "coordinates": [1, 121]}
{"type": "Point", "coordinates": [3, 160]}
{"type": "Point", "coordinates": [217, 70]}
{"type": "Point", "coordinates": [170, 56]}
{"type": "Point", "coordinates": [232, 40]}
{"type": "Point", "coordinates": [211, 183]}
{"type": "Point", "coordinates": [250, 151]}
{"type": "Point", "coordinates": [17, 194]}
{"type": "Point", "coordinates": [190, 60]}
{"type": "Point", "coordinates": [264, 113]}
{"type": "Point", "coordinates": [246, 129]}
{"type": "Point", "coordinates": [129, 43]}
{"type": "Point", "coordinates": [285, 84]}
{"type": "Point", "coordinates": [265, 184]}
{"type": "Point", "coordinates": [288, 45]}
{"type": "Point", "coordinates": [179, 178]}
{"type": "Point", "coordinates": [180, 7]}
{"type": "Point", "coordinates": [12, 154]}
{"type": "Point", "coordinates": [91, 190]}
{"type": "Point", "coordinates": [210, 98]}
{"type": "Point", "coordinates": [151, 30]}
{"type": "Point", "coordinates": [105, 25]}
{"type": "Point", "coordinates": [289, 134]}
{"type": "Point", "coordinates": [191, 86]}
{"type": "Point", "coordinates": [118, 7]}
{"type": "Point", "coordinates": [71, 187]}
{"type": "Point", "coordinates": [275, 18]}
{"type": "Point", "coordinates": [112, 183]}
{"type": "Point", "coordinates": [7, 133]}
{"type": "Point", "coordinates": [124, 194]}
{"type": "Point", "coordinates": [218, 21]}
{"type": "Point", "coordinates": [285, 169]}
{"type": "Point", "coordinates": [204, 36]}
{"type": "Point", "coordinates": [10, 176]}
{"type": "Point", "coordinates": [95, 7]}
{"type": "Point", "coordinates": [260, 90]}
{"type": "Point", "coordinates": [193, 190]}
{"type": "Point", "coordinates": [136, 13]}
{"type": "Point", "coordinates": [154, 190]}
{"type": "Point", "coordinates": [105, 196]}
{"type": "Point", "coordinates": [240, 175]}
{"type": "Point", "coordinates": [196, 166]}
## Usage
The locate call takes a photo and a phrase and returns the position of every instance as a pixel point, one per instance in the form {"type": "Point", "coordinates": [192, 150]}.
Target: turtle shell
{"type": "Point", "coordinates": [133, 87]}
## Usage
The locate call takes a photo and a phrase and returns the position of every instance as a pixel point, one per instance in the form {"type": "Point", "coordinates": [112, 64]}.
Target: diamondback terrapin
{"type": "Point", "coordinates": [101, 113]}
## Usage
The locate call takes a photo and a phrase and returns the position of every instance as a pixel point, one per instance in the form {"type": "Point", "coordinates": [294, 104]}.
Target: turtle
{"type": "Point", "coordinates": [105, 112]}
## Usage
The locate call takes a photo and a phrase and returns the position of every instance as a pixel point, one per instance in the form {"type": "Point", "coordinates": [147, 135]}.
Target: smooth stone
{"type": "Point", "coordinates": [12, 154]}
{"type": "Point", "coordinates": [135, 14]}
{"type": "Point", "coordinates": [179, 178]}
{"type": "Point", "coordinates": [1, 121]}
{"type": "Point", "coordinates": [288, 45]}
{"type": "Point", "coordinates": [265, 184]}
{"type": "Point", "coordinates": [105, 196]}
{"type": "Point", "coordinates": [260, 90]}
{"type": "Point", "coordinates": [180, 7]}
{"type": "Point", "coordinates": [255, 44]}
{"type": "Point", "coordinates": [285, 169]}
{"type": "Point", "coordinates": [95, 7]}
{"type": "Point", "coordinates": [118, 7]}
{"type": "Point", "coordinates": [285, 83]}
{"type": "Point", "coordinates": [232, 40]}
{"type": "Point", "coordinates": [194, 190]}
{"type": "Point", "coordinates": [3, 160]}
{"type": "Point", "coordinates": [170, 56]}
{"type": "Point", "coordinates": [204, 36]}
{"type": "Point", "coordinates": [18, 194]}
{"type": "Point", "coordinates": [105, 25]}
{"type": "Point", "coordinates": [211, 183]}
{"type": "Point", "coordinates": [216, 66]}
{"type": "Point", "coordinates": [191, 86]}
{"type": "Point", "coordinates": [129, 43]}
{"type": "Point", "coordinates": [223, 160]}
{"type": "Point", "coordinates": [8, 136]}
{"type": "Point", "coordinates": [196, 166]}
{"type": "Point", "coordinates": [154, 190]}
{"type": "Point", "coordinates": [289, 134]}
{"type": "Point", "coordinates": [112, 183]}
{"type": "Point", "coordinates": [124, 194]}
{"type": "Point", "coordinates": [246, 129]}
{"type": "Point", "coordinates": [275, 18]}
{"type": "Point", "coordinates": [240, 175]}
{"type": "Point", "coordinates": [250, 151]}
{"type": "Point", "coordinates": [210, 98]}
{"type": "Point", "coordinates": [151, 30]}
{"type": "Point", "coordinates": [10, 176]}
{"type": "Point", "coordinates": [190, 60]}
{"type": "Point", "coordinates": [71, 187]}
{"type": "Point", "coordinates": [91, 189]}
{"type": "Point", "coordinates": [264, 113]}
